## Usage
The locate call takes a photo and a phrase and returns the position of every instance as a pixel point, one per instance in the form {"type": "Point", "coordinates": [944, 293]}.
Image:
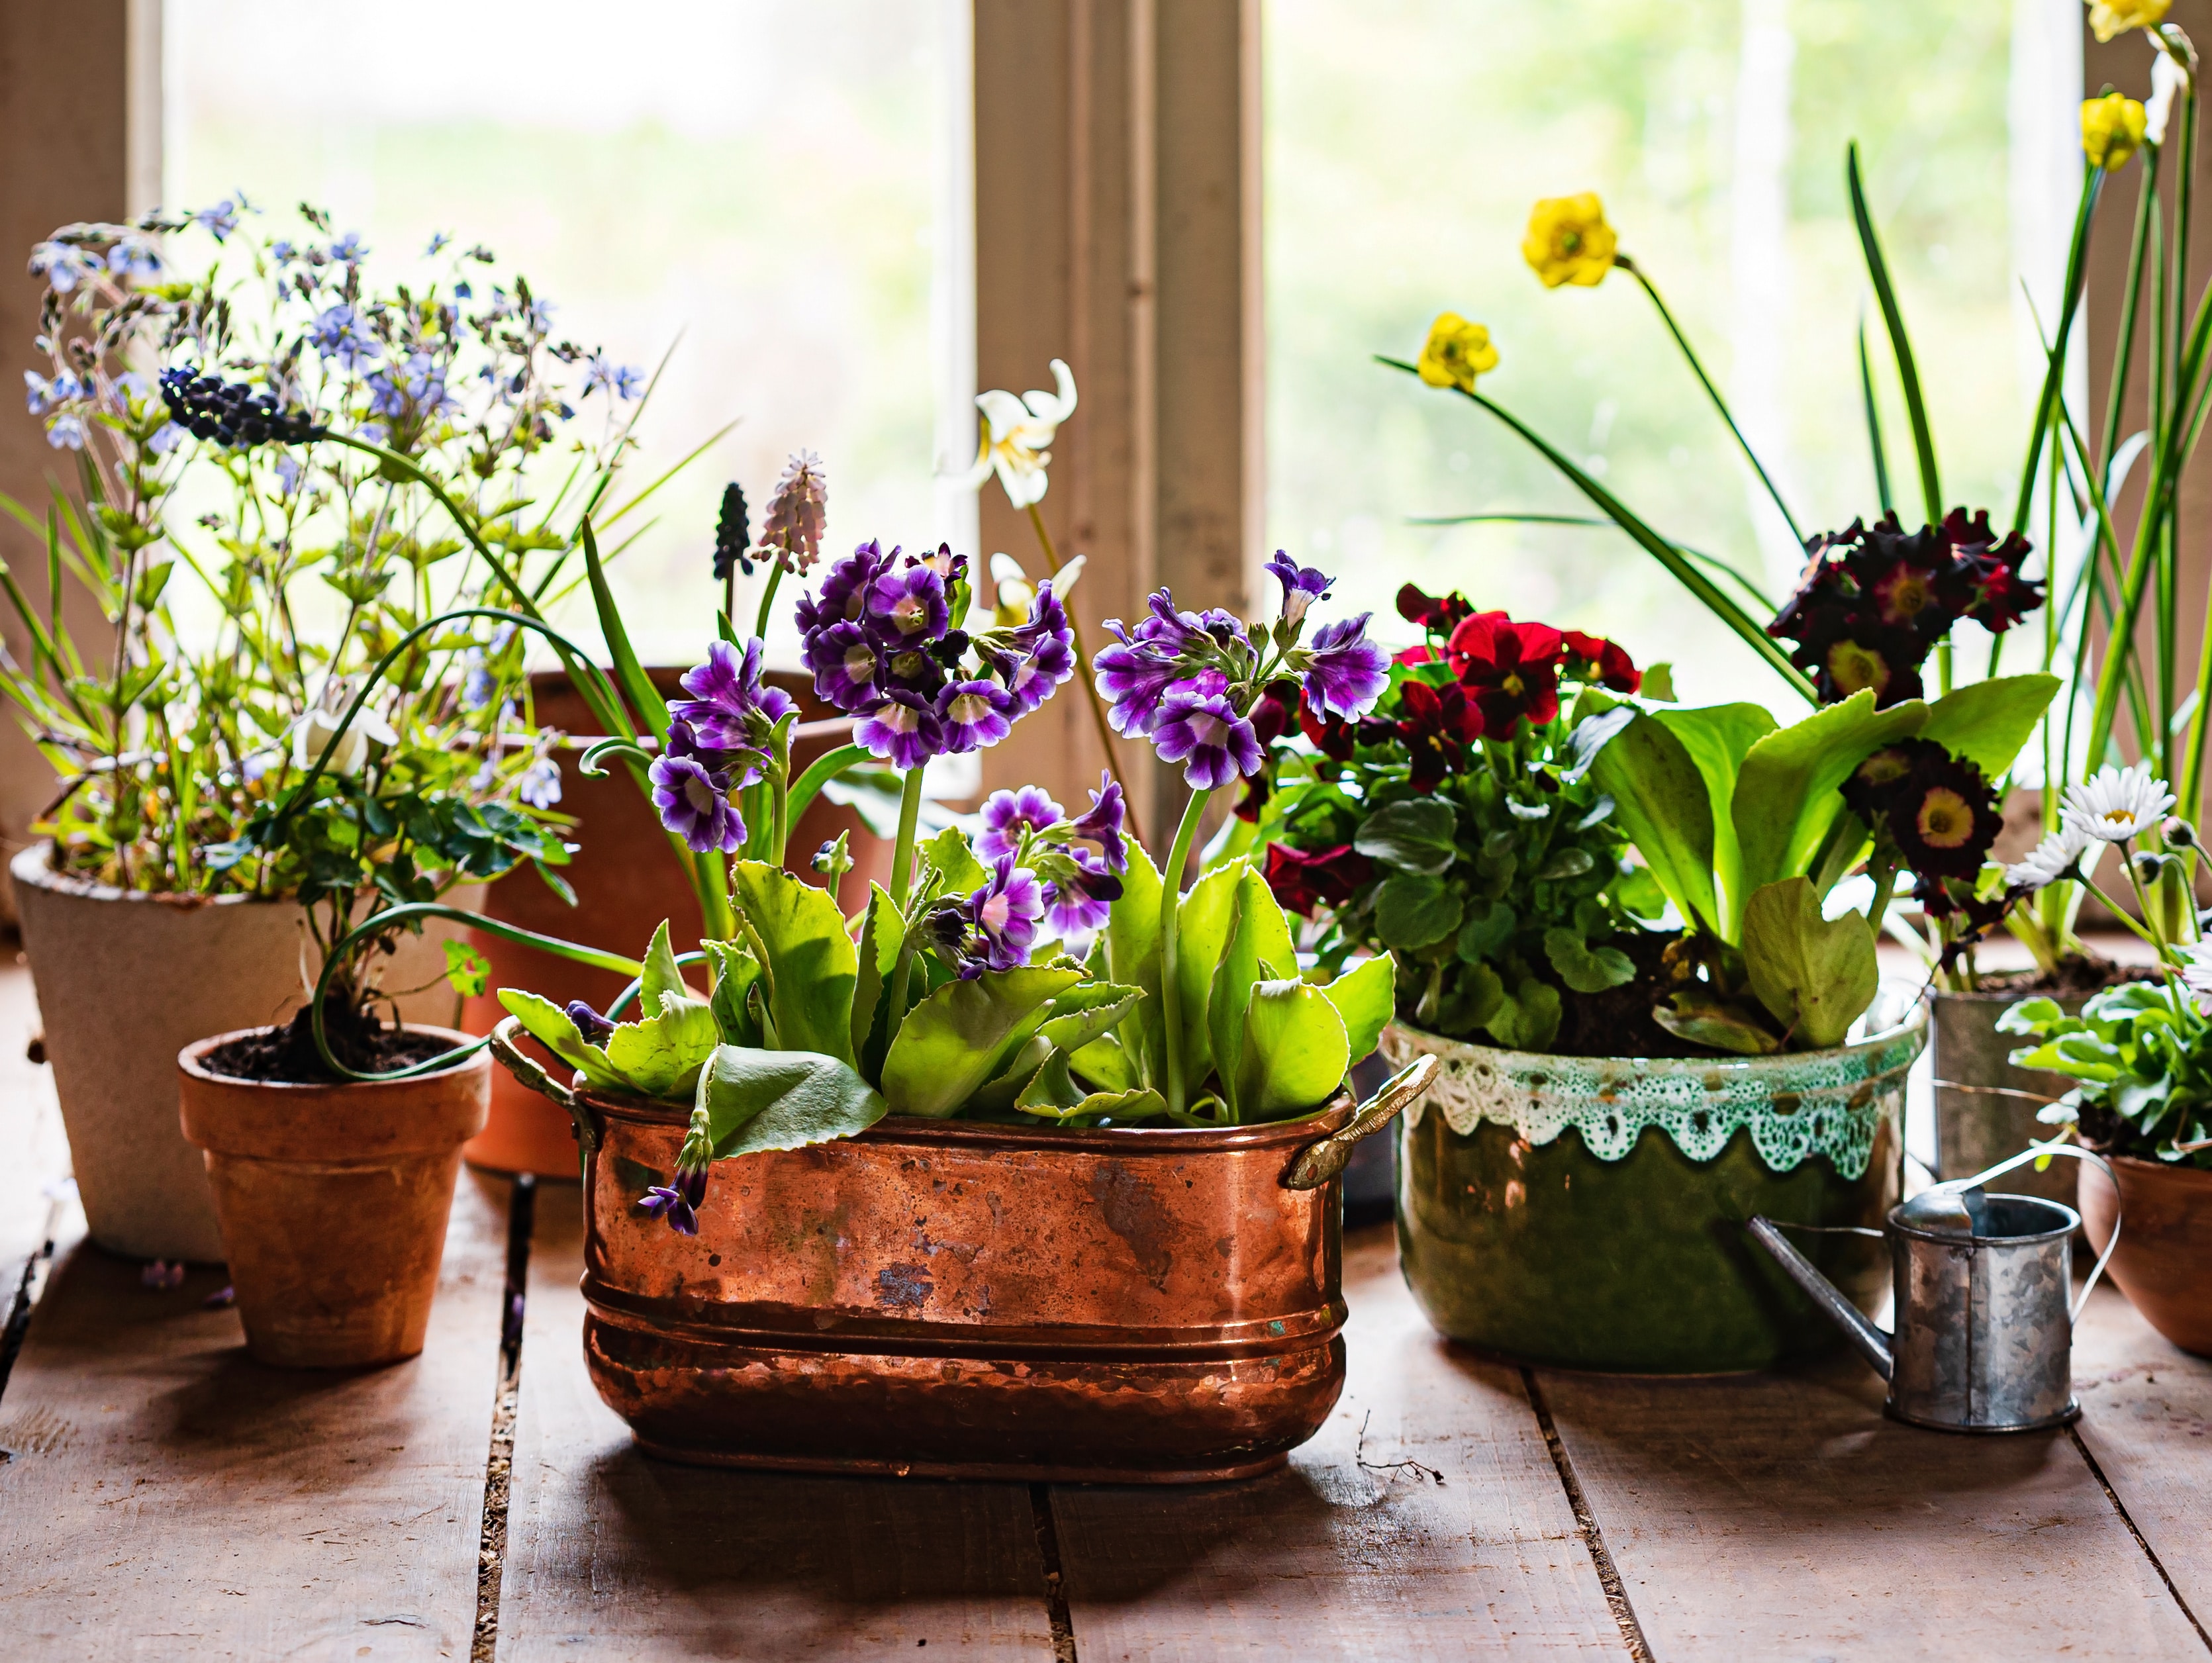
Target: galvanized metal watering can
{"type": "Point", "coordinates": [1984, 1335]}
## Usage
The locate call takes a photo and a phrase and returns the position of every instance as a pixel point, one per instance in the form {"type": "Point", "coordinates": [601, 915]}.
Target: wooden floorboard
{"type": "Point", "coordinates": [164, 1496]}
{"type": "Point", "coordinates": [1336, 1559]}
{"type": "Point", "coordinates": [610, 1555]}
{"type": "Point", "coordinates": [2147, 1419]}
{"type": "Point", "coordinates": [1785, 1517]}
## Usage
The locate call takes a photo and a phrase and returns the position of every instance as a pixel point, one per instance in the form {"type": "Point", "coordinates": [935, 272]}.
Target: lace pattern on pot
{"type": "Point", "coordinates": [1797, 1105]}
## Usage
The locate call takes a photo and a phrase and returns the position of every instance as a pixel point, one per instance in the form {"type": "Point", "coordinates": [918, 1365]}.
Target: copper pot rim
{"type": "Point", "coordinates": [918, 1131]}
{"type": "Point", "coordinates": [189, 1062]}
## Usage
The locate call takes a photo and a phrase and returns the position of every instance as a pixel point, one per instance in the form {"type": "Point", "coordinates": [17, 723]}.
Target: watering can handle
{"type": "Point", "coordinates": [2036, 1152]}
{"type": "Point", "coordinates": [1322, 1160]}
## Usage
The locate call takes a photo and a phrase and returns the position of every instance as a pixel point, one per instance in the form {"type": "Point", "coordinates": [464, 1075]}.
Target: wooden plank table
{"type": "Point", "coordinates": [161, 1497]}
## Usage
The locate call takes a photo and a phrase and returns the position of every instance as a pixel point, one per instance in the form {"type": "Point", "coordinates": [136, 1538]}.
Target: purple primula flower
{"type": "Point", "coordinates": [845, 589]}
{"type": "Point", "coordinates": [674, 1203]}
{"type": "Point", "coordinates": [1302, 586]}
{"type": "Point", "coordinates": [693, 799]}
{"type": "Point", "coordinates": [975, 715]}
{"type": "Point", "coordinates": [590, 1023]}
{"type": "Point", "coordinates": [1080, 904]}
{"type": "Point", "coordinates": [911, 603]}
{"type": "Point", "coordinates": [1204, 733]}
{"type": "Point", "coordinates": [1133, 676]}
{"type": "Point", "coordinates": [1007, 814]}
{"type": "Point", "coordinates": [846, 664]}
{"type": "Point", "coordinates": [726, 694]}
{"type": "Point", "coordinates": [1005, 912]}
{"type": "Point", "coordinates": [1102, 822]}
{"type": "Point", "coordinates": [1348, 672]}
{"type": "Point", "coordinates": [903, 729]}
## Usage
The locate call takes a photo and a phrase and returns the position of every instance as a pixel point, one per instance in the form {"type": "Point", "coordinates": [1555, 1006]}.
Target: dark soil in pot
{"type": "Point", "coordinates": [287, 1055]}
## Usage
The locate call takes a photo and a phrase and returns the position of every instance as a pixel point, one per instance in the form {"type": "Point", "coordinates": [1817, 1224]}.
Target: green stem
{"type": "Point", "coordinates": [902, 852]}
{"type": "Point", "coordinates": [2055, 363]}
{"type": "Point", "coordinates": [818, 774]}
{"type": "Point", "coordinates": [1711, 392]}
{"type": "Point", "coordinates": [1082, 657]}
{"type": "Point", "coordinates": [1171, 904]}
{"type": "Point", "coordinates": [768, 598]}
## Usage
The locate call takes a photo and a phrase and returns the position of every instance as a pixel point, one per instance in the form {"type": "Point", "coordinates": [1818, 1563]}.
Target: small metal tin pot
{"type": "Point", "coordinates": [952, 1299]}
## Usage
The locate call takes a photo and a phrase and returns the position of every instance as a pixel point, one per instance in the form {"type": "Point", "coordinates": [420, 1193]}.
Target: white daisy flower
{"type": "Point", "coordinates": [2053, 857]}
{"type": "Point", "coordinates": [2198, 974]}
{"type": "Point", "coordinates": [2118, 805]}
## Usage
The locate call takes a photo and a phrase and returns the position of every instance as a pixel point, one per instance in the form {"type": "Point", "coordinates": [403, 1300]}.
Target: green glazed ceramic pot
{"type": "Point", "coordinates": [1588, 1212]}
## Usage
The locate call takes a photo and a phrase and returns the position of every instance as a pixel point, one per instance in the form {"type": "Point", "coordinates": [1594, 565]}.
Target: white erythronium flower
{"type": "Point", "coordinates": [2118, 805]}
{"type": "Point", "coordinates": [2053, 857]}
{"type": "Point", "coordinates": [314, 730]}
{"type": "Point", "coordinates": [1016, 591]}
{"type": "Point", "coordinates": [1017, 433]}
{"type": "Point", "coordinates": [2166, 78]}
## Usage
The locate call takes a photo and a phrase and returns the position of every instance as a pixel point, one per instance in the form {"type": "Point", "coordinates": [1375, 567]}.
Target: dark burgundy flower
{"type": "Point", "coordinates": [1439, 729]}
{"type": "Point", "coordinates": [1301, 883]}
{"type": "Point", "coordinates": [1875, 782]}
{"type": "Point", "coordinates": [1276, 711]}
{"type": "Point", "coordinates": [1943, 816]}
{"type": "Point", "coordinates": [1594, 659]}
{"type": "Point", "coordinates": [1512, 670]}
{"type": "Point", "coordinates": [1438, 614]}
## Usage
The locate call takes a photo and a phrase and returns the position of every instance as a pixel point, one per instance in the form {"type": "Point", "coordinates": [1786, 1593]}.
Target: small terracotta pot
{"type": "Point", "coordinates": [332, 1200]}
{"type": "Point", "coordinates": [2165, 1243]}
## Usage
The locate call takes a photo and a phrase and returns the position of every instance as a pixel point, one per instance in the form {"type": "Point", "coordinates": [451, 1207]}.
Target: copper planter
{"type": "Point", "coordinates": [956, 1300]}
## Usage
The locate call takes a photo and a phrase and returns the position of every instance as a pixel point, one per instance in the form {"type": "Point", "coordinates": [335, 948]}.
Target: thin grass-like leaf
{"type": "Point", "coordinates": [1759, 596]}
{"type": "Point", "coordinates": [1874, 426]}
{"type": "Point", "coordinates": [1916, 407]}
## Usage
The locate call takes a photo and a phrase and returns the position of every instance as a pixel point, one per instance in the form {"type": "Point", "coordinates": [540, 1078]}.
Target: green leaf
{"type": "Point", "coordinates": [963, 1034]}
{"type": "Point", "coordinates": [1259, 945]}
{"type": "Point", "coordinates": [2033, 1015]}
{"type": "Point", "coordinates": [1413, 910]}
{"type": "Point", "coordinates": [1722, 1024]}
{"type": "Point", "coordinates": [1658, 683]}
{"type": "Point", "coordinates": [1364, 997]}
{"type": "Point", "coordinates": [1416, 836]}
{"type": "Point", "coordinates": [1717, 738]}
{"type": "Point", "coordinates": [810, 963]}
{"type": "Point", "coordinates": [1489, 927]}
{"type": "Point", "coordinates": [1295, 1052]}
{"type": "Point", "coordinates": [768, 1100]}
{"type": "Point", "coordinates": [1202, 925]}
{"type": "Point", "coordinates": [1528, 1020]}
{"type": "Point", "coordinates": [1131, 943]}
{"type": "Point", "coordinates": [1585, 969]}
{"type": "Point", "coordinates": [1786, 792]}
{"type": "Point", "coordinates": [1986, 723]}
{"type": "Point", "coordinates": [1814, 975]}
{"type": "Point", "coordinates": [737, 972]}
{"type": "Point", "coordinates": [1662, 802]}
{"type": "Point", "coordinates": [881, 931]}
{"type": "Point", "coordinates": [1087, 1011]}
{"type": "Point", "coordinates": [553, 1028]}
{"type": "Point", "coordinates": [467, 971]}
{"type": "Point", "coordinates": [662, 974]}
{"type": "Point", "coordinates": [1105, 1064]}
{"type": "Point", "coordinates": [661, 1057]}
{"type": "Point", "coordinates": [948, 852]}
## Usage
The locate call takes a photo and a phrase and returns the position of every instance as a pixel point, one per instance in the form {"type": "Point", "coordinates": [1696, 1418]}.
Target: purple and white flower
{"type": "Point", "coordinates": [1008, 814]}
{"type": "Point", "coordinates": [539, 785]}
{"type": "Point", "coordinates": [694, 800]}
{"type": "Point", "coordinates": [1005, 913]}
{"type": "Point", "coordinates": [903, 729]}
{"type": "Point", "coordinates": [1204, 733]}
{"type": "Point", "coordinates": [911, 603]}
{"type": "Point", "coordinates": [846, 666]}
{"type": "Point", "coordinates": [1077, 903]}
{"type": "Point", "coordinates": [974, 715]}
{"type": "Point", "coordinates": [1346, 672]}
{"type": "Point", "coordinates": [1302, 586]}
{"type": "Point", "coordinates": [678, 1203]}
{"type": "Point", "coordinates": [729, 708]}
{"type": "Point", "coordinates": [1102, 822]}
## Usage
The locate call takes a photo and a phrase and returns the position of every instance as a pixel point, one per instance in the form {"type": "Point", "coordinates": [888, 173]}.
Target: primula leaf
{"type": "Point", "coordinates": [948, 853]}
{"type": "Point", "coordinates": [1814, 975]}
{"type": "Point", "coordinates": [661, 1057]}
{"type": "Point", "coordinates": [812, 966]}
{"type": "Point", "coordinates": [736, 973]}
{"type": "Point", "coordinates": [1416, 836]}
{"type": "Point", "coordinates": [881, 928]}
{"type": "Point", "coordinates": [1087, 1011]}
{"type": "Point", "coordinates": [1105, 1063]}
{"type": "Point", "coordinates": [1786, 792]}
{"type": "Point", "coordinates": [963, 1034]}
{"type": "Point", "coordinates": [1725, 1026]}
{"type": "Point", "coordinates": [1295, 1052]}
{"type": "Point", "coordinates": [1662, 802]}
{"type": "Point", "coordinates": [1233, 978]}
{"type": "Point", "coordinates": [1202, 926]}
{"type": "Point", "coordinates": [1131, 943]}
{"type": "Point", "coordinates": [1717, 738]}
{"type": "Point", "coordinates": [1053, 1095]}
{"type": "Point", "coordinates": [553, 1028]}
{"type": "Point", "coordinates": [662, 974]}
{"type": "Point", "coordinates": [1528, 1018]}
{"type": "Point", "coordinates": [2032, 1016]}
{"type": "Point", "coordinates": [767, 1100]}
{"type": "Point", "coordinates": [1585, 969]}
{"type": "Point", "coordinates": [1986, 723]}
{"type": "Point", "coordinates": [1363, 997]}
{"type": "Point", "coordinates": [1414, 910]}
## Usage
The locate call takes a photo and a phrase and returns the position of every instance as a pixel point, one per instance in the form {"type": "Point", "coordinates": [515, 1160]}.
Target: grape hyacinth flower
{"type": "Point", "coordinates": [733, 534]}
{"type": "Point", "coordinates": [796, 513]}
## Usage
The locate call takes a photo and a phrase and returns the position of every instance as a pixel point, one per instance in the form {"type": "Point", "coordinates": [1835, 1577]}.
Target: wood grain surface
{"type": "Point", "coordinates": [165, 1497]}
{"type": "Point", "coordinates": [610, 1555]}
{"type": "Point", "coordinates": [1345, 1555]}
{"type": "Point", "coordinates": [1773, 1517]}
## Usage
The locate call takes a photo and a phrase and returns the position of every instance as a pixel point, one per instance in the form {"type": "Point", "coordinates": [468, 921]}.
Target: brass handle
{"type": "Point", "coordinates": [532, 1077]}
{"type": "Point", "coordinates": [1320, 1161]}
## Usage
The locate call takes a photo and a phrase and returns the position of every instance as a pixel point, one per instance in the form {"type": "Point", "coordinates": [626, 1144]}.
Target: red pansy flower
{"type": "Point", "coordinates": [1594, 659]}
{"type": "Point", "coordinates": [1512, 669]}
{"type": "Point", "coordinates": [1302, 882]}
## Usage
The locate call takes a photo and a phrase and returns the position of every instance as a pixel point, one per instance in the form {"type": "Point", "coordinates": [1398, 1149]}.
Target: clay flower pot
{"type": "Point", "coordinates": [332, 1200]}
{"type": "Point", "coordinates": [2165, 1243]}
{"type": "Point", "coordinates": [191, 966]}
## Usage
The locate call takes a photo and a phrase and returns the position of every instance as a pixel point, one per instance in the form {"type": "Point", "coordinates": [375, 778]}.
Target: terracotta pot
{"type": "Point", "coordinates": [333, 1200]}
{"type": "Point", "coordinates": [951, 1299]}
{"type": "Point", "coordinates": [626, 880]}
{"type": "Point", "coordinates": [125, 981]}
{"type": "Point", "coordinates": [2165, 1243]}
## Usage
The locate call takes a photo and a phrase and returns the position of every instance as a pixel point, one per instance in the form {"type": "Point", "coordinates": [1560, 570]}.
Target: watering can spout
{"type": "Point", "coordinates": [1873, 1344]}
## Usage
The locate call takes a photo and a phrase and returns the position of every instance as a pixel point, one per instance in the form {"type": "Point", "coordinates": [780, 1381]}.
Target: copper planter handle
{"type": "Point", "coordinates": [532, 1077]}
{"type": "Point", "coordinates": [1320, 1161]}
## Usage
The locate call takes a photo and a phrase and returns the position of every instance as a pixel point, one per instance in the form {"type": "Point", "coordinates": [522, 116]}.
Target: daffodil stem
{"type": "Point", "coordinates": [902, 853]}
{"type": "Point", "coordinates": [1082, 657]}
{"type": "Point", "coordinates": [1170, 906]}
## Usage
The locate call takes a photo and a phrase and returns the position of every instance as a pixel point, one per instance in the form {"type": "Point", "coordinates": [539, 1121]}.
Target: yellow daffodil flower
{"type": "Point", "coordinates": [2110, 17]}
{"type": "Point", "coordinates": [1017, 433]}
{"type": "Point", "coordinates": [1455, 352]}
{"type": "Point", "coordinates": [2111, 131]}
{"type": "Point", "coordinates": [1569, 241]}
